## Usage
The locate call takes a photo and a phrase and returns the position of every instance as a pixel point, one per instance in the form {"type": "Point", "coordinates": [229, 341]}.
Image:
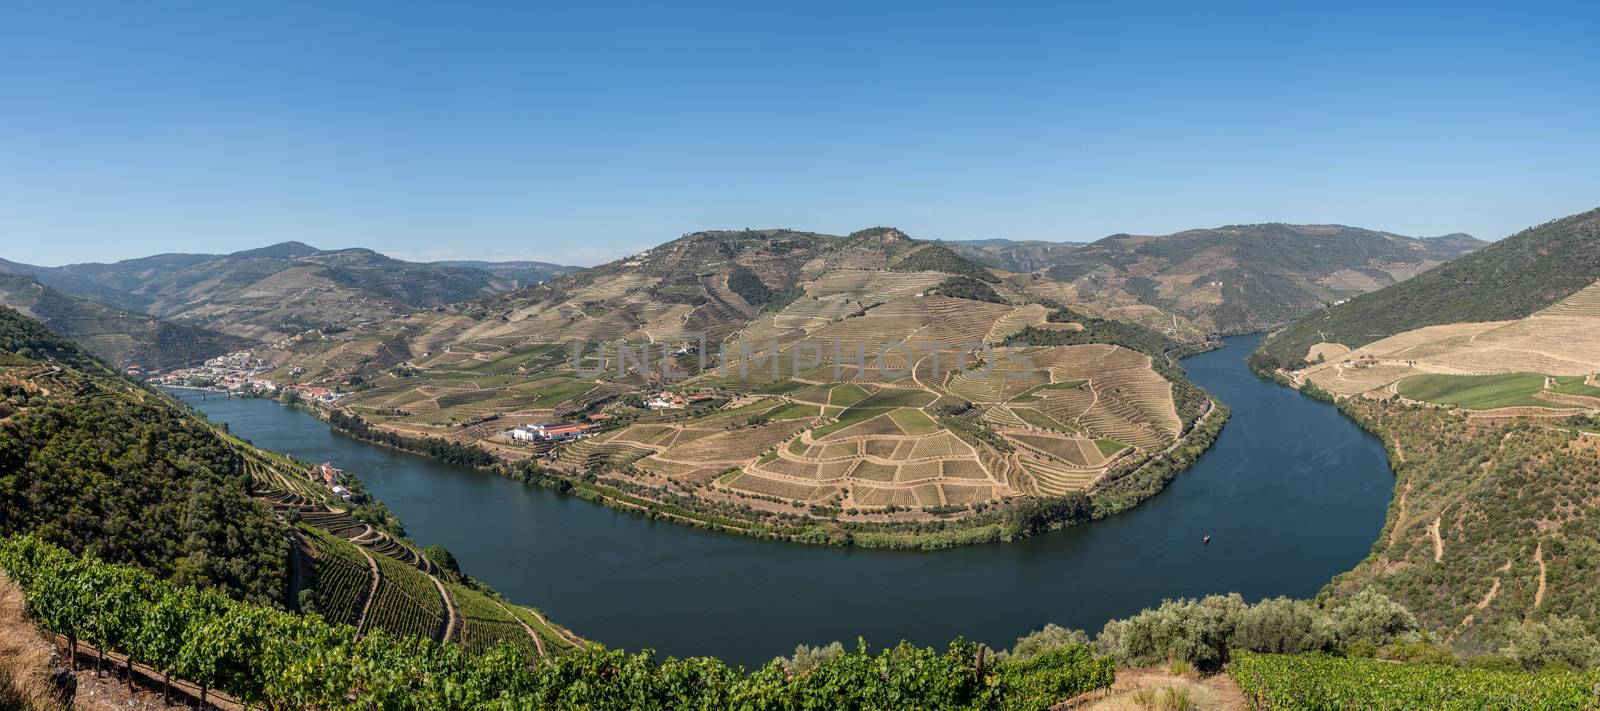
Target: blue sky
{"type": "Point", "coordinates": [577, 132]}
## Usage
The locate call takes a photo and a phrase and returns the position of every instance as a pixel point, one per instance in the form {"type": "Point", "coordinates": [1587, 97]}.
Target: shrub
{"type": "Point", "coordinates": [1049, 639]}
{"type": "Point", "coordinates": [748, 286]}
{"type": "Point", "coordinates": [1280, 625]}
{"type": "Point", "coordinates": [1417, 651]}
{"type": "Point", "coordinates": [1370, 616]}
{"type": "Point", "coordinates": [807, 658]}
{"type": "Point", "coordinates": [1194, 631]}
{"type": "Point", "coordinates": [1554, 642]}
{"type": "Point", "coordinates": [444, 559]}
{"type": "Point", "coordinates": [939, 258]}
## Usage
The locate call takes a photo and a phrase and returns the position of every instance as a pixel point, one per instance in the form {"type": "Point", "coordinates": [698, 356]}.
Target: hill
{"type": "Point", "coordinates": [833, 389]}
{"type": "Point", "coordinates": [1480, 377]}
{"type": "Point", "coordinates": [102, 466]}
{"type": "Point", "coordinates": [119, 337]}
{"type": "Point", "coordinates": [1509, 279]}
{"type": "Point", "coordinates": [1244, 278]}
{"type": "Point", "coordinates": [82, 450]}
{"type": "Point", "coordinates": [273, 292]}
{"type": "Point", "coordinates": [155, 488]}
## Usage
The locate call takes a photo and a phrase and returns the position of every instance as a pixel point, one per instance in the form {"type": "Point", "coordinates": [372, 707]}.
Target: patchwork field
{"type": "Point", "coordinates": [855, 390]}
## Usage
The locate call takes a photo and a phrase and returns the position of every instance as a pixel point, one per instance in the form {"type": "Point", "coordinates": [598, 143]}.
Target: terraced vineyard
{"type": "Point", "coordinates": [406, 603]}
{"type": "Point", "coordinates": [341, 577]}
{"type": "Point", "coordinates": [485, 623]}
{"type": "Point", "coordinates": [856, 390]}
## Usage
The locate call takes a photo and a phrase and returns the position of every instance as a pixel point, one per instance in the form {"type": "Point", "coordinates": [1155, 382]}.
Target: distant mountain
{"type": "Point", "coordinates": [117, 336]}
{"type": "Point", "coordinates": [1013, 255]}
{"type": "Point", "coordinates": [276, 291]}
{"type": "Point", "coordinates": [1510, 279]}
{"type": "Point", "coordinates": [281, 250]}
{"type": "Point", "coordinates": [1244, 278]}
{"type": "Point", "coordinates": [521, 273]}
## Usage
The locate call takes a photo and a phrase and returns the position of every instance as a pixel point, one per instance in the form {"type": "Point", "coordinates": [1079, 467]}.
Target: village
{"type": "Point", "coordinates": [239, 372]}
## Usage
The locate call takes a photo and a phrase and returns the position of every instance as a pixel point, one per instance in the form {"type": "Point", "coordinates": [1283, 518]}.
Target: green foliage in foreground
{"type": "Point", "coordinates": [1317, 681]}
{"type": "Point", "coordinates": [287, 661]}
{"type": "Point", "coordinates": [128, 476]}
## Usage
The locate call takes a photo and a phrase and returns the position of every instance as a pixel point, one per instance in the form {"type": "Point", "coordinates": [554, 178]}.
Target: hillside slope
{"type": "Point", "coordinates": [1243, 278]}
{"type": "Point", "coordinates": [117, 336]}
{"type": "Point", "coordinates": [1479, 376]}
{"type": "Point", "coordinates": [1509, 279]}
{"type": "Point", "coordinates": [819, 387]}
{"type": "Point", "coordinates": [102, 466]}
{"type": "Point", "coordinates": [97, 464]}
{"type": "Point", "coordinates": [276, 291]}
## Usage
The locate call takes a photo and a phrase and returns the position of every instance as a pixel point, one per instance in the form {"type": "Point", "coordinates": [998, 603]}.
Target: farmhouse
{"type": "Point", "coordinates": [555, 432]}
{"type": "Point", "coordinates": [665, 401]}
{"type": "Point", "coordinates": [318, 393]}
{"type": "Point", "coordinates": [325, 473]}
{"type": "Point", "coordinates": [565, 433]}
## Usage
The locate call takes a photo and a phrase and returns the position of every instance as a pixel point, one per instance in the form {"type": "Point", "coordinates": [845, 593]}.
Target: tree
{"type": "Point", "coordinates": [444, 559]}
{"type": "Point", "coordinates": [1555, 642]}
{"type": "Point", "coordinates": [1369, 617]}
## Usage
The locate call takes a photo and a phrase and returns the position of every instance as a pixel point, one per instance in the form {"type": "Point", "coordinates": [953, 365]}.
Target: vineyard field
{"type": "Point", "coordinates": [407, 603]}
{"type": "Point", "coordinates": [342, 576]}
{"type": "Point", "coordinates": [1282, 682]}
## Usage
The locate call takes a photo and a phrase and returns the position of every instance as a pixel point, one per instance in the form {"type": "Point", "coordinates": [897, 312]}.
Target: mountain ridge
{"type": "Point", "coordinates": [117, 336]}
{"type": "Point", "coordinates": [1243, 278]}
{"type": "Point", "coordinates": [1508, 279]}
{"type": "Point", "coordinates": [276, 291]}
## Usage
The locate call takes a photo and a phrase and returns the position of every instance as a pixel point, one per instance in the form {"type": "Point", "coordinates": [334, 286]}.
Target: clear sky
{"type": "Point", "coordinates": [580, 131]}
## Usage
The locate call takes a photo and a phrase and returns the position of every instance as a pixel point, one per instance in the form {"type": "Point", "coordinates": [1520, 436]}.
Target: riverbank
{"type": "Point", "coordinates": [995, 523]}
{"type": "Point", "coordinates": [1263, 491]}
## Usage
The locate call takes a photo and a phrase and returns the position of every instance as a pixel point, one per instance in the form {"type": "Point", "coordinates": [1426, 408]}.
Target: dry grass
{"type": "Point", "coordinates": [1326, 352]}
{"type": "Point", "coordinates": [1164, 690]}
{"type": "Point", "coordinates": [1560, 340]}
{"type": "Point", "coordinates": [26, 659]}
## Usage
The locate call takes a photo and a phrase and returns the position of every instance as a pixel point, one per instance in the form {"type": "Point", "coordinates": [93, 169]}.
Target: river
{"type": "Point", "coordinates": [1291, 493]}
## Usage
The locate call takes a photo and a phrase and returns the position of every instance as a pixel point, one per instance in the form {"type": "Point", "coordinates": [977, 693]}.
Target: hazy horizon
{"type": "Point", "coordinates": [492, 257]}
{"type": "Point", "coordinates": [577, 134]}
